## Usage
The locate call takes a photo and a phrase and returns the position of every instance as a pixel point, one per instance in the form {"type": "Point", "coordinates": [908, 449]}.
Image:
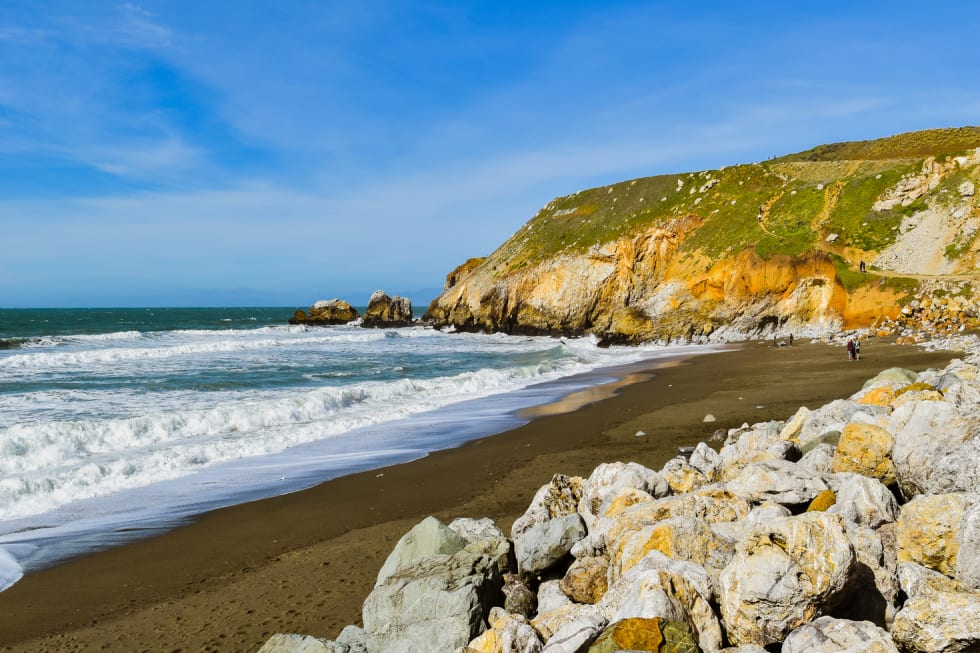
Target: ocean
{"type": "Point", "coordinates": [119, 423]}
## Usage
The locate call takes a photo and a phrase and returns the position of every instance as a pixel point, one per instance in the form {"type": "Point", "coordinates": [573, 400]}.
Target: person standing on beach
{"type": "Point", "coordinates": [791, 340]}
{"type": "Point", "coordinates": [850, 350]}
{"type": "Point", "coordinates": [857, 349]}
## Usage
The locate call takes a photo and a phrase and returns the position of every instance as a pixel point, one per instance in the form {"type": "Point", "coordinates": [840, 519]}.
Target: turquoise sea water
{"type": "Point", "coordinates": [122, 421]}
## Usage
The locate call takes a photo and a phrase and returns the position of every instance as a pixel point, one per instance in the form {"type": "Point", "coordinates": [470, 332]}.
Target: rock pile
{"type": "Point", "coordinates": [851, 527]}
{"type": "Point", "coordinates": [931, 315]}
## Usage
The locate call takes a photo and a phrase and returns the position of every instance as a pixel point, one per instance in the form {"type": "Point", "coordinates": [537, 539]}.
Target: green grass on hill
{"type": "Point", "coordinates": [807, 196]}
{"type": "Point", "coordinates": [910, 145]}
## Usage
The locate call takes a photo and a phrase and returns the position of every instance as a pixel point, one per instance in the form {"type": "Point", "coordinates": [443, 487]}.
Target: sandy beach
{"type": "Point", "coordinates": [304, 562]}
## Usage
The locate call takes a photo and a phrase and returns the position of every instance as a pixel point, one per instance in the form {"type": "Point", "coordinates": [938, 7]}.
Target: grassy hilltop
{"type": "Point", "coordinates": [871, 201]}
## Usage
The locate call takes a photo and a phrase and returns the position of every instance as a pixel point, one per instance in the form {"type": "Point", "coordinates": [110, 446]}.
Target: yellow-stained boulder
{"type": "Point", "coordinates": [623, 499]}
{"type": "Point", "coordinates": [681, 538]}
{"type": "Point", "coordinates": [822, 501]}
{"type": "Point", "coordinates": [927, 530]}
{"type": "Point", "coordinates": [710, 504]}
{"type": "Point", "coordinates": [865, 449]}
{"type": "Point", "coordinates": [683, 477]}
{"type": "Point", "coordinates": [638, 634]}
{"type": "Point", "coordinates": [508, 633]}
{"type": "Point", "coordinates": [559, 498]}
{"type": "Point", "coordinates": [880, 396]}
{"type": "Point", "coordinates": [902, 398]}
{"type": "Point", "coordinates": [585, 580]}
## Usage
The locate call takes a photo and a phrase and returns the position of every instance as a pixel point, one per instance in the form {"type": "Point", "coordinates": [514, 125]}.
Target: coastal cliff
{"type": "Point", "coordinates": [842, 235]}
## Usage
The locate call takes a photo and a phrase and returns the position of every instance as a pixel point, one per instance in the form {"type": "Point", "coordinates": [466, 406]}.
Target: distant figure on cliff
{"type": "Point", "coordinates": [850, 350]}
{"type": "Point", "coordinates": [862, 267]}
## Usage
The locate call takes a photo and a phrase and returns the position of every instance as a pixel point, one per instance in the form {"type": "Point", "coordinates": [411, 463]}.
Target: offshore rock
{"type": "Point", "coordinates": [829, 635]}
{"type": "Point", "coordinates": [325, 313]}
{"type": "Point", "coordinates": [438, 603]}
{"type": "Point", "coordinates": [786, 573]}
{"type": "Point", "coordinates": [682, 476]}
{"type": "Point", "coordinates": [354, 638]}
{"type": "Point", "coordinates": [385, 311]}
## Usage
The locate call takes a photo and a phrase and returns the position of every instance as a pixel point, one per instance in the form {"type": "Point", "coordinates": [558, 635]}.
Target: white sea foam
{"type": "Point", "coordinates": [45, 465]}
{"type": "Point", "coordinates": [107, 356]}
{"type": "Point", "coordinates": [89, 419]}
{"type": "Point", "coordinates": [10, 571]}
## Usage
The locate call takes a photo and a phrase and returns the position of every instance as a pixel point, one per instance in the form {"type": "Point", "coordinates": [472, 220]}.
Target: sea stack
{"type": "Point", "coordinates": [326, 312]}
{"type": "Point", "coordinates": [385, 311]}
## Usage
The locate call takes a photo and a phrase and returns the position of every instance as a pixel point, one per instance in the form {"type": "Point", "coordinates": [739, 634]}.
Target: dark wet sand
{"type": "Point", "coordinates": [304, 562]}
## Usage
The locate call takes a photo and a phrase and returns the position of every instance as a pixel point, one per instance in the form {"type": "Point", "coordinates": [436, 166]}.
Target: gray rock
{"type": "Point", "coordinates": [864, 501]}
{"type": "Point", "coordinates": [551, 598]}
{"type": "Point", "coordinates": [786, 572]}
{"type": "Point", "coordinates": [936, 449]}
{"type": "Point", "coordinates": [429, 537]}
{"type": "Point", "coordinates": [777, 480]}
{"type": "Point", "coordinates": [608, 479]}
{"type": "Point", "coordinates": [292, 643]}
{"type": "Point", "coordinates": [895, 377]}
{"type": "Point", "coordinates": [940, 614]}
{"type": "Point", "coordinates": [819, 458]}
{"type": "Point", "coordinates": [519, 598]}
{"type": "Point", "coordinates": [829, 635]}
{"type": "Point", "coordinates": [354, 638]}
{"type": "Point", "coordinates": [576, 636]}
{"type": "Point", "coordinates": [833, 417]}
{"type": "Point", "coordinates": [438, 603]}
{"type": "Point", "coordinates": [968, 559]}
{"type": "Point", "coordinates": [706, 460]}
{"type": "Point", "coordinates": [558, 498]}
{"type": "Point", "coordinates": [476, 530]}
{"type": "Point", "coordinates": [543, 545]}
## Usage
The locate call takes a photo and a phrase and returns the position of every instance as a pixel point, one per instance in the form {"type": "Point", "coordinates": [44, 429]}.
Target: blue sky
{"type": "Point", "coordinates": [275, 153]}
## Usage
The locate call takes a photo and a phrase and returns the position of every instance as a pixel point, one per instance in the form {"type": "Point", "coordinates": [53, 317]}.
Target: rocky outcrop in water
{"type": "Point", "coordinates": [326, 312]}
{"type": "Point", "coordinates": [385, 311]}
{"type": "Point", "coordinates": [874, 545]}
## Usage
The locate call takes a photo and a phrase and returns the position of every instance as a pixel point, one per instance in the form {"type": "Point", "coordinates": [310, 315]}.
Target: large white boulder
{"type": "Point", "coordinates": [786, 573]}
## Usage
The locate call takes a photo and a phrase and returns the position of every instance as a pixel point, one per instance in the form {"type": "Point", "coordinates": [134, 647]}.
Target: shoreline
{"type": "Point", "coordinates": [303, 562]}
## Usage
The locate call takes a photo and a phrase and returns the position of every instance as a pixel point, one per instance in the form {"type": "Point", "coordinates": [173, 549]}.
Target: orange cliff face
{"type": "Point", "coordinates": [640, 288]}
